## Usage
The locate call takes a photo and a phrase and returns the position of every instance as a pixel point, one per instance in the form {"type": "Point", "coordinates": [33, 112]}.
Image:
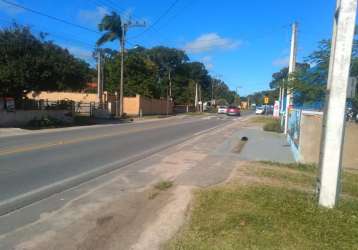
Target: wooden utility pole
{"type": "Point", "coordinates": [291, 69]}
{"type": "Point", "coordinates": [334, 115]}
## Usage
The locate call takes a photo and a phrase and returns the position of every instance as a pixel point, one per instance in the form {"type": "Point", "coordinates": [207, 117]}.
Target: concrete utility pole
{"type": "Point", "coordinates": [212, 90]}
{"type": "Point", "coordinates": [100, 79]}
{"type": "Point", "coordinates": [125, 26]}
{"type": "Point", "coordinates": [196, 96]}
{"type": "Point", "coordinates": [170, 83]}
{"type": "Point", "coordinates": [334, 120]}
{"type": "Point", "coordinates": [291, 69]}
{"type": "Point", "coordinates": [169, 92]}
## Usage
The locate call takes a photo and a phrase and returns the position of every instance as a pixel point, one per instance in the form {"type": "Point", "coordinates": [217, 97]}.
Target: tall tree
{"type": "Point", "coordinates": [28, 62]}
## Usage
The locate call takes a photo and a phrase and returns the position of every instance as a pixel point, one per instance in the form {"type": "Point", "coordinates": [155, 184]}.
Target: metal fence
{"type": "Point", "coordinates": [76, 108]}
{"type": "Point", "coordinates": [28, 104]}
{"type": "Point", "coordinates": [294, 125]}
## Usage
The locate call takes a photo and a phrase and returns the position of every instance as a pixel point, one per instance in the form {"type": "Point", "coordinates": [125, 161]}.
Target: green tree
{"type": "Point", "coordinates": [147, 74]}
{"type": "Point", "coordinates": [282, 75]}
{"type": "Point", "coordinates": [31, 63]}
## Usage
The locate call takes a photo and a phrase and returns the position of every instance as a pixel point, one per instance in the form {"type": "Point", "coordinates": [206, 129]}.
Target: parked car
{"type": "Point", "coordinates": [233, 110]}
{"type": "Point", "coordinates": [260, 111]}
{"type": "Point", "coordinates": [222, 109]}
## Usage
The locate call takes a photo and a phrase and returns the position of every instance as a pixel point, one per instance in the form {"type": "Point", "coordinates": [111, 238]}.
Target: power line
{"type": "Point", "coordinates": [176, 14]}
{"type": "Point", "coordinates": [49, 16]}
{"type": "Point", "coordinates": [87, 44]}
{"type": "Point", "coordinates": [158, 19]}
{"type": "Point", "coordinates": [54, 18]}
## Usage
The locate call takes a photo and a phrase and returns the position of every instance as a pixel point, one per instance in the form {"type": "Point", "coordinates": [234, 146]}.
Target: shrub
{"type": "Point", "coordinates": [273, 126]}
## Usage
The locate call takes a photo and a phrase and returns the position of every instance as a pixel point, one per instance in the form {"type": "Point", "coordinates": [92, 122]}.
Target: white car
{"type": "Point", "coordinates": [260, 111]}
{"type": "Point", "coordinates": [222, 109]}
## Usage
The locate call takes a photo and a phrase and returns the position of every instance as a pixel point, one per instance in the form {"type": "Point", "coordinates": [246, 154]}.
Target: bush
{"type": "Point", "coordinates": [273, 126]}
{"type": "Point", "coordinates": [45, 122]}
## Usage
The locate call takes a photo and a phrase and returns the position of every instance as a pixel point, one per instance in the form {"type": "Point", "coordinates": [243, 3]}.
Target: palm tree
{"type": "Point", "coordinates": [114, 29]}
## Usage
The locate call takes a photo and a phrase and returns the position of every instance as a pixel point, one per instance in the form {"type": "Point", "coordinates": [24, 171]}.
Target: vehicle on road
{"type": "Point", "coordinates": [260, 110]}
{"type": "Point", "coordinates": [222, 109]}
{"type": "Point", "coordinates": [233, 110]}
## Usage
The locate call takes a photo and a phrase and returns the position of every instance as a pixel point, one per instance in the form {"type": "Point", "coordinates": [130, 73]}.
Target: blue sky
{"type": "Point", "coordinates": [243, 42]}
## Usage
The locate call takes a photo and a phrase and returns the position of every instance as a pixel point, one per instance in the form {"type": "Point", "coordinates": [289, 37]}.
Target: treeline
{"type": "Point", "coordinates": [148, 72]}
{"type": "Point", "coordinates": [29, 62]}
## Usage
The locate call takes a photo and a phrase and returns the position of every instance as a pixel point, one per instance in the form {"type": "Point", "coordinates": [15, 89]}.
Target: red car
{"type": "Point", "coordinates": [233, 110]}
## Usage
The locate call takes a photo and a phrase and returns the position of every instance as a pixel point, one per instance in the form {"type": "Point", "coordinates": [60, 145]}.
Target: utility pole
{"type": "Point", "coordinates": [196, 96]}
{"type": "Point", "coordinates": [200, 100]}
{"type": "Point", "coordinates": [125, 26]}
{"type": "Point", "coordinates": [169, 93]}
{"type": "Point", "coordinates": [291, 69]}
{"type": "Point", "coordinates": [334, 120]}
{"type": "Point", "coordinates": [100, 79]}
{"type": "Point", "coordinates": [170, 83]}
{"type": "Point", "coordinates": [212, 90]}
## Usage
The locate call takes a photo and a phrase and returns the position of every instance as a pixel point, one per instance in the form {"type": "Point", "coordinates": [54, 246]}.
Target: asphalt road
{"type": "Point", "coordinates": [32, 164]}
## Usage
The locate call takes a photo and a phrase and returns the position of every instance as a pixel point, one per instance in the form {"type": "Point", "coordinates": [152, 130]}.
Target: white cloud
{"type": "Point", "coordinates": [92, 17]}
{"type": "Point", "coordinates": [9, 9]}
{"type": "Point", "coordinates": [208, 62]}
{"type": "Point", "coordinates": [210, 41]}
{"type": "Point", "coordinates": [281, 62]}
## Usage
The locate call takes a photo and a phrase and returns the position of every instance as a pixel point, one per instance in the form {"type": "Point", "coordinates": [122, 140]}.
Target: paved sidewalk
{"type": "Point", "coordinates": [261, 146]}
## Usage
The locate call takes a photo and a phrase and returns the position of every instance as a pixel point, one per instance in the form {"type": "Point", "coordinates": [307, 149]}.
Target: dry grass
{"type": "Point", "coordinates": [159, 187]}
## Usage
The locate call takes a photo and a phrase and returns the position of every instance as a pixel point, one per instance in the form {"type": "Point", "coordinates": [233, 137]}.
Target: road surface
{"type": "Point", "coordinates": [35, 166]}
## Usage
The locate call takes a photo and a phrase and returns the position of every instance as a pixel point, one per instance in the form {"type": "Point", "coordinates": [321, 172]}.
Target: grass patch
{"type": "Point", "coordinates": [261, 119]}
{"type": "Point", "coordinates": [45, 122]}
{"type": "Point", "coordinates": [296, 166]}
{"type": "Point", "coordinates": [159, 187]}
{"type": "Point", "coordinates": [257, 215]}
{"type": "Point", "coordinates": [273, 126]}
{"type": "Point", "coordinates": [163, 185]}
{"type": "Point", "coordinates": [350, 183]}
{"type": "Point", "coordinates": [269, 123]}
{"type": "Point", "coordinates": [51, 122]}
{"type": "Point", "coordinates": [196, 113]}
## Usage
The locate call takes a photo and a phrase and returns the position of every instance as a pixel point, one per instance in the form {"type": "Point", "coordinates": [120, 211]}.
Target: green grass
{"type": "Point", "coordinates": [350, 183]}
{"type": "Point", "coordinates": [268, 216]}
{"type": "Point", "coordinates": [261, 119]}
{"type": "Point", "coordinates": [45, 122]}
{"type": "Point", "coordinates": [163, 185]}
{"type": "Point", "coordinates": [294, 178]}
{"type": "Point", "coordinates": [273, 126]}
{"type": "Point", "coordinates": [269, 123]}
{"type": "Point", "coordinates": [296, 166]}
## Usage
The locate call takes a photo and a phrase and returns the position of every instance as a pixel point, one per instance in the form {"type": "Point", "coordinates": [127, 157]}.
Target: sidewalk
{"type": "Point", "coordinates": [265, 146]}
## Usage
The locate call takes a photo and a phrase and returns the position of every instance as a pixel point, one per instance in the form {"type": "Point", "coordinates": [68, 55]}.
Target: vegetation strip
{"type": "Point", "coordinates": [271, 206]}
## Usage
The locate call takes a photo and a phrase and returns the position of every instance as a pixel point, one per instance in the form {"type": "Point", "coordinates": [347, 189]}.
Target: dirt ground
{"type": "Point", "coordinates": [127, 212]}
